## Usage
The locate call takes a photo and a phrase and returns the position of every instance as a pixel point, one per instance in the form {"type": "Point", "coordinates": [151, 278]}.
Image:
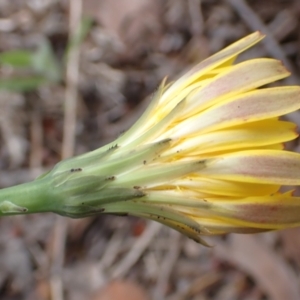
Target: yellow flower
{"type": "Point", "coordinates": [220, 161]}
{"type": "Point", "coordinates": [205, 158]}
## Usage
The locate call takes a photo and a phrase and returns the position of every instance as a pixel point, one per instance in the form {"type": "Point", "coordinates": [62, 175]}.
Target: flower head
{"type": "Point", "coordinates": [205, 158]}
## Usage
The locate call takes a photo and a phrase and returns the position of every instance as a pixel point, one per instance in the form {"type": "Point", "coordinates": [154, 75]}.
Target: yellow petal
{"type": "Point", "coordinates": [257, 166]}
{"type": "Point", "coordinates": [226, 188]}
{"type": "Point", "coordinates": [273, 212]}
{"type": "Point", "coordinates": [237, 79]}
{"type": "Point", "coordinates": [257, 134]}
{"type": "Point", "coordinates": [215, 226]}
{"type": "Point", "coordinates": [210, 63]}
{"type": "Point", "coordinates": [245, 108]}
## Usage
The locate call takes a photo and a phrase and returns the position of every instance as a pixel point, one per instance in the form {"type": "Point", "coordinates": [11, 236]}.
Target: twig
{"type": "Point", "coordinates": [255, 23]}
{"type": "Point", "coordinates": [137, 250]}
{"type": "Point", "coordinates": [196, 17]}
{"type": "Point", "coordinates": [72, 77]}
{"type": "Point", "coordinates": [112, 250]}
{"type": "Point", "coordinates": [36, 142]}
{"type": "Point", "coordinates": [283, 24]}
{"type": "Point", "coordinates": [198, 286]}
{"type": "Point", "coordinates": [57, 254]}
{"type": "Point", "coordinates": [265, 266]}
{"type": "Point", "coordinates": [167, 266]}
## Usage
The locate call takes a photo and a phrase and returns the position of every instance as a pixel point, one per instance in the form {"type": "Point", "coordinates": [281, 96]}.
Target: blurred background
{"type": "Point", "coordinates": [73, 76]}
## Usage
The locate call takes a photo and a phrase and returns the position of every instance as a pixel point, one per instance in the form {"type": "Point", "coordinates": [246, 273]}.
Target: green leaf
{"type": "Point", "coordinates": [45, 62]}
{"type": "Point", "coordinates": [80, 34]}
{"type": "Point", "coordinates": [21, 84]}
{"type": "Point", "coordinates": [16, 58]}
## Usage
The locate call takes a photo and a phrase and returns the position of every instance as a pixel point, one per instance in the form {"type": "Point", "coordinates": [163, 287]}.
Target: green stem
{"type": "Point", "coordinates": [27, 198]}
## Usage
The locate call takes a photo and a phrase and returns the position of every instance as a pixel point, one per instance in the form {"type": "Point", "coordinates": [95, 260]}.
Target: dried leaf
{"type": "Point", "coordinates": [268, 269]}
